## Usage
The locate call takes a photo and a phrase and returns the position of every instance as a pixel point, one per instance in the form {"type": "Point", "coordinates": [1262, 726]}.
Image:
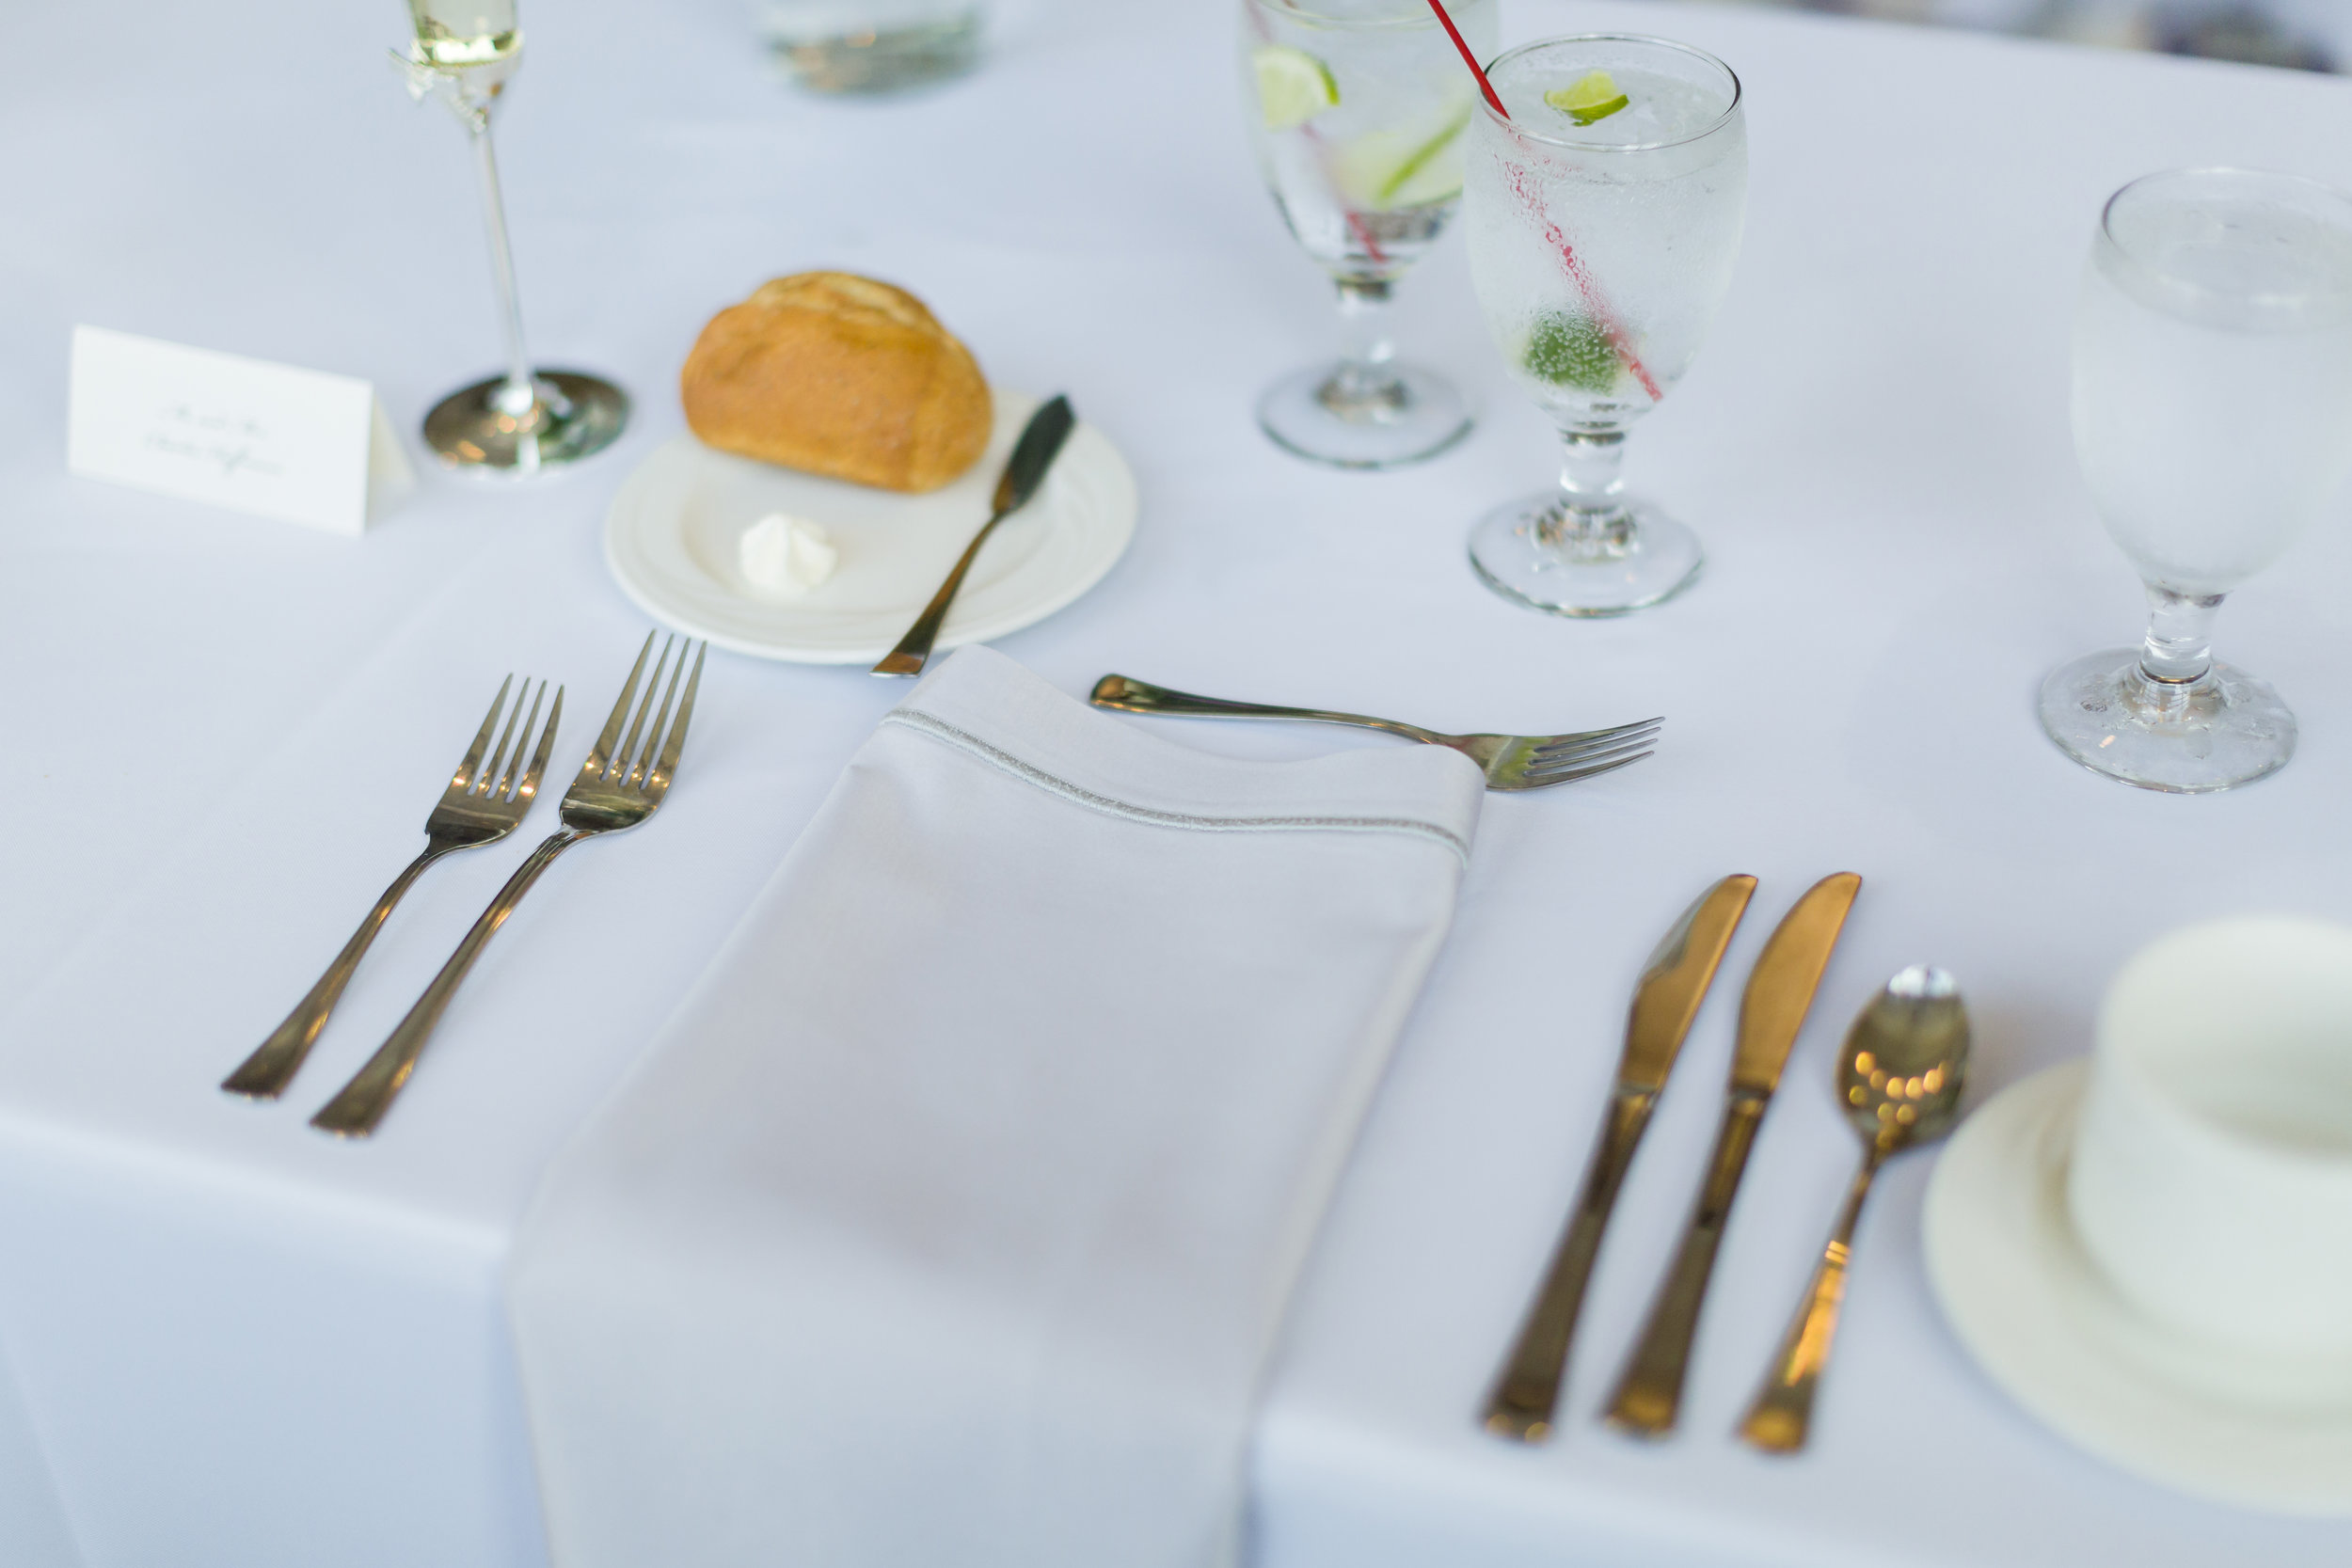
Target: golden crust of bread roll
{"type": "Point", "coordinates": [837, 375]}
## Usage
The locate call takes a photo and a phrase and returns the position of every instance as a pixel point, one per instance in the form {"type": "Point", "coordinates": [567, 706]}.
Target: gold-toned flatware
{"type": "Point", "coordinates": [1509, 761]}
{"type": "Point", "coordinates": [1780, 991]}
{"type": "Point", "coordinates": [1899, 1078]}
{"type": "Point", "coordinates": [1041, 443]}
{"type": "Point", "coordinates": [482, 805]}
{"type": "Point", "coordinates": [1672, 984]}
{"type": "Point", "coordinates": [620, 786]}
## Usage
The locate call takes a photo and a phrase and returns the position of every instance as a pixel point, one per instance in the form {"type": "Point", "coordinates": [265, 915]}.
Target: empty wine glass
{"type": "Point", "coordinates": [1357, 111]}
{"type": "Point", "coordinates": [2213, 421]}
{"type": "Point", "coordinates": [525, 420]}
{"type": "Point", "coordinates": [1605, 216]}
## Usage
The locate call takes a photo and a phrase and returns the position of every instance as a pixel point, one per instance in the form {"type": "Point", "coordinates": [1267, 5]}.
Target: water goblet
{"type": "Point", "coordinates": [524, 422]}
{"type": "Point", "coordinates": [871, 46]}
{"type": "Point", "coordinates": [1356, 110]}
{"type": "Point", "coordinates": [1605, 216]}
{"type": "Point", "coordinates": [2213, 421]}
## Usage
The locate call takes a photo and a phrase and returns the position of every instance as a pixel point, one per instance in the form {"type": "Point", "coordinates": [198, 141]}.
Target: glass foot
{"type": "Point", "coordinates": [1350, 422]}
{"type": "Point", "coordinates": [575, 416]}
{"type": "Point", "coordinates": [2223, 730]}
{"type": "Point", "coordinates": [1649, 559]}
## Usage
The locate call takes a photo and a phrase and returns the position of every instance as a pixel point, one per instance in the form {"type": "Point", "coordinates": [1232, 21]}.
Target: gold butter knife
{"type": "Point", "coordinates": [1673, 985]}
{"type": "Point", "coordinates": [1779, 993]}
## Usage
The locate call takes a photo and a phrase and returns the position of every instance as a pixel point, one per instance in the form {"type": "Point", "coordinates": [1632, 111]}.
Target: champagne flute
{"type": "Point", "coordinates": [525, 420]}
{"type": "Point", "coordinates": [2213, 421]}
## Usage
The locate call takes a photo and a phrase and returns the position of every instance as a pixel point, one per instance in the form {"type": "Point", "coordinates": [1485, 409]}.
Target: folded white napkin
{"type": "Point", "coordinates": [951, 1220]}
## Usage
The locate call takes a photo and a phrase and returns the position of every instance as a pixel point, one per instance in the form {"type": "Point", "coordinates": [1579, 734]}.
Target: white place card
{"type": "Point", "coordinates": [300, 446]}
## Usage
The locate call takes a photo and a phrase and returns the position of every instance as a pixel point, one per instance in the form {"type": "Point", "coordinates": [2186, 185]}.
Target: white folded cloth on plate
{"type": "Point", "coordinates": [950, 1222]}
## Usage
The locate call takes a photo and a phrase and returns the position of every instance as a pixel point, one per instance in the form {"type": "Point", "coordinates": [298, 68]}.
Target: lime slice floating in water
{"type": "Point", "coordinates": [1385, 171]}
{"type": "Point", "coordinates": [1591, 100]}
{"type": "Point", "coordinates": [1292, 86]}
{"type": "Point", "coordinates": [1570, 349]}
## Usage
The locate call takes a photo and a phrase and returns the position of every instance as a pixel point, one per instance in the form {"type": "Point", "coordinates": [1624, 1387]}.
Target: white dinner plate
{"type": "Point", "coordinates": [2031, 1305]}
{"type": "Point", "coordinates": [672, 536]}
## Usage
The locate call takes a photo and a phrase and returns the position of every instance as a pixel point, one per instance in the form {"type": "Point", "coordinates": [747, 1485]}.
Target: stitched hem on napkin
{"type": "Point", "coordinates": [939, 729]}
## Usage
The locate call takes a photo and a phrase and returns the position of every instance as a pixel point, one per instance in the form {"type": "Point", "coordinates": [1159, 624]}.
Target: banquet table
{"type": "Point", "coordinates": [227, 1340]}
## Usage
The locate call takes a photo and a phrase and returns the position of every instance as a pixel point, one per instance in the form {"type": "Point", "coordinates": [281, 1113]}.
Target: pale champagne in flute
{"type": "Point", "coordinates": [1357, 111]}
{"type": "Point", "coordinates": [465, 52]}
{"type": "Point", "coordinates": [2213, 421]}
{"type": "Point", "coordinates": [1605, 215]}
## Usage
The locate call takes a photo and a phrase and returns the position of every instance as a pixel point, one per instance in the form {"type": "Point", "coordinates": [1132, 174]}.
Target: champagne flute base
{"type": "Point", "coordinates": [1518, 553]}
{"type": "Point", "coordinates": [1335, 413]}
{"type": "Point", "coordinates": [575, 417]}
{"type": "Point", "coordinates": [2217, 731]}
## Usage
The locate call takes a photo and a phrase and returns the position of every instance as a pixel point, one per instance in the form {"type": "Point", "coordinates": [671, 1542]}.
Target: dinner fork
{"type": "Point", "coordinates": [481, 806]}
{"type": "Point", "coordinates": [1509, 761]}
{"type": "Point", "coordinates": [619, 787]}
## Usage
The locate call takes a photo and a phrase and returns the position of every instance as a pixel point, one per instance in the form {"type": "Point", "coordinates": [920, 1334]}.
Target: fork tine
{"type": "Point", "coordinates": [642, 769]}
{"type": "Point", "coordinates": [623, 760]}
{"type": "Point", "coordinates": [601, 751]}
{"type": "Point", "coordinates": [1559, 741]}
{"type": "Point", "coordinates": [1562, 755]}
{"type": "Point", "coordinates": [508, 767]}
{"type": "Point", "coordinates": [1599, 753]}
{"type": "Point", "coordinates": [494, 776]}
{"type": "Point", "coordinates": [657, 781]}
{"type": "Point", "coordinates": [482, 738]}
{"type": "Point", "coordinates": [529, 788]}
{"type": "Point", "coordinates": [1547, 780]}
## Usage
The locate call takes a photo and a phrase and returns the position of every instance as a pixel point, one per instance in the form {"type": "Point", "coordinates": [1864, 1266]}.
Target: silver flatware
{"type": "Point", "coordinates": [620, 786]}
{"type": "Point", "coordinates": [1899, 1079]}
{"type": "Point", "coordinates": [1672, 984]}
{"type": "Point", "coordinates": [1509, 761]}
{"type": "Point", "coordinates": [482, 805]}
{"type": "Point", "coordinates": [1780, 992]}
{"type": "Point", "coordinates": [1032, 456]}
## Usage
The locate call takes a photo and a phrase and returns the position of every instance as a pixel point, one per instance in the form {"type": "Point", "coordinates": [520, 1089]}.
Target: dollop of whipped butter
{"type": "Point", "coordinates": [785, 556]}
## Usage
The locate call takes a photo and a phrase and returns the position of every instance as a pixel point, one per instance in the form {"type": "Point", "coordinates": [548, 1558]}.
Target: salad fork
{"type": "Point", "coordinates": [620, 786]}
{"type": "Point", "coordinates": [1509, 761]}
{"type": "Point", "coordinates": [481, 806]}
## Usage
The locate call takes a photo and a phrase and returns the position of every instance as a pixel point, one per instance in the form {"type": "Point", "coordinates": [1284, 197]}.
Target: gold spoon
{"type": "Point", "coordinates": [1899, 1078]}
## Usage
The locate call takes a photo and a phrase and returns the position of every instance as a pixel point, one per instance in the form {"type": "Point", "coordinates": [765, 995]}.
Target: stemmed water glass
{"type": "Point", "coordinates": [464, 53]}
{"type": "Point", "coordinates": [1605, 215]}
{"type": "Point", "coordinates": [2213, 421]}
{"type": "Point", "coordinates": [1356, 110]}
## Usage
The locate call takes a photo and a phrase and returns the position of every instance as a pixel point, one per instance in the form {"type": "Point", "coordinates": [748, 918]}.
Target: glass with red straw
{"type": "Point", "coordinates": [1358, 114]}
{"type": "Point", "coordinates": [1607, 190]}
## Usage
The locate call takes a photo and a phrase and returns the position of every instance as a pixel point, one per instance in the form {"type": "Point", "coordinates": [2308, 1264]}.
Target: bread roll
{"type": "Point", "coordinates": [837, 375]}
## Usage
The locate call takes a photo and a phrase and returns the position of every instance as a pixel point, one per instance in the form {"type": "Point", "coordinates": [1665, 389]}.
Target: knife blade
{"type": "Point", "coordinates": [1666, 999]}
{"type": "Point", "coordinates": [1771, 1014]}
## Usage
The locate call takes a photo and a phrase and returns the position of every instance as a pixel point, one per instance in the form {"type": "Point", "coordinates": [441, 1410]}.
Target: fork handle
{"type": "Point", "coordinates": [355, 1112]}
{"type": "Point", "coordinates": [1135, 696]}
{"type": "Point", "coordinates": [1527, 1395]}
{"type": "Point", "coordinates": [265, 1074]}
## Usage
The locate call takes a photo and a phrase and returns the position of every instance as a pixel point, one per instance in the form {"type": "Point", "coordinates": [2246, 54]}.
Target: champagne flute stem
{"type": "Point", "coordinates": [516, 397]}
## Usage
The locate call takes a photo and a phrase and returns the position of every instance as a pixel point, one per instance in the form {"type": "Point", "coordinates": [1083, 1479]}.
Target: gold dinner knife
{"type": "Point", "coordinates": [1673, 985]}
{"type": "Point", "coordinates": [1771, 1014]}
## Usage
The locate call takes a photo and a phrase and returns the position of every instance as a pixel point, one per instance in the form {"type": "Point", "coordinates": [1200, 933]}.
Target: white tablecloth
{"type": "Point", "coordinates": [237, 1342]}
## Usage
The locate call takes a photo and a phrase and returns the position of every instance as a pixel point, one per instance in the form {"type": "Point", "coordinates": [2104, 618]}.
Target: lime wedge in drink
{"type": "Point", "coordinates": [1591, 100]}
{"type": "Point", "coordinates": [1570, 349]}
{"type": "Point", "coordinates": [1385, 171]}
{"type": "Point", "coordinates": [1292, 86]}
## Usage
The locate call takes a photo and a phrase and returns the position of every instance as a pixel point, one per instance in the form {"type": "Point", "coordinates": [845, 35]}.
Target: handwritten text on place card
{"type": "Point", "coordinates": [273, 440]}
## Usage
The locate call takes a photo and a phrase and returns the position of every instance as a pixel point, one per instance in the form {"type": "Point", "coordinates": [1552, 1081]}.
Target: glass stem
{"type": "Point", "coordinates": [1364, 387]}
{"type": "Point", "coordinates": [1590, 518]}
{"type": "Point", "coordinates": [2177, 653]}
{"type": "Point", "coordinates": [516, 398]}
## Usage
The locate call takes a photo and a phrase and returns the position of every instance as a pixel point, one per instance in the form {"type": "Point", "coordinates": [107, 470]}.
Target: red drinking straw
{"type": "Point", "coordinates": [1602, 315]}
